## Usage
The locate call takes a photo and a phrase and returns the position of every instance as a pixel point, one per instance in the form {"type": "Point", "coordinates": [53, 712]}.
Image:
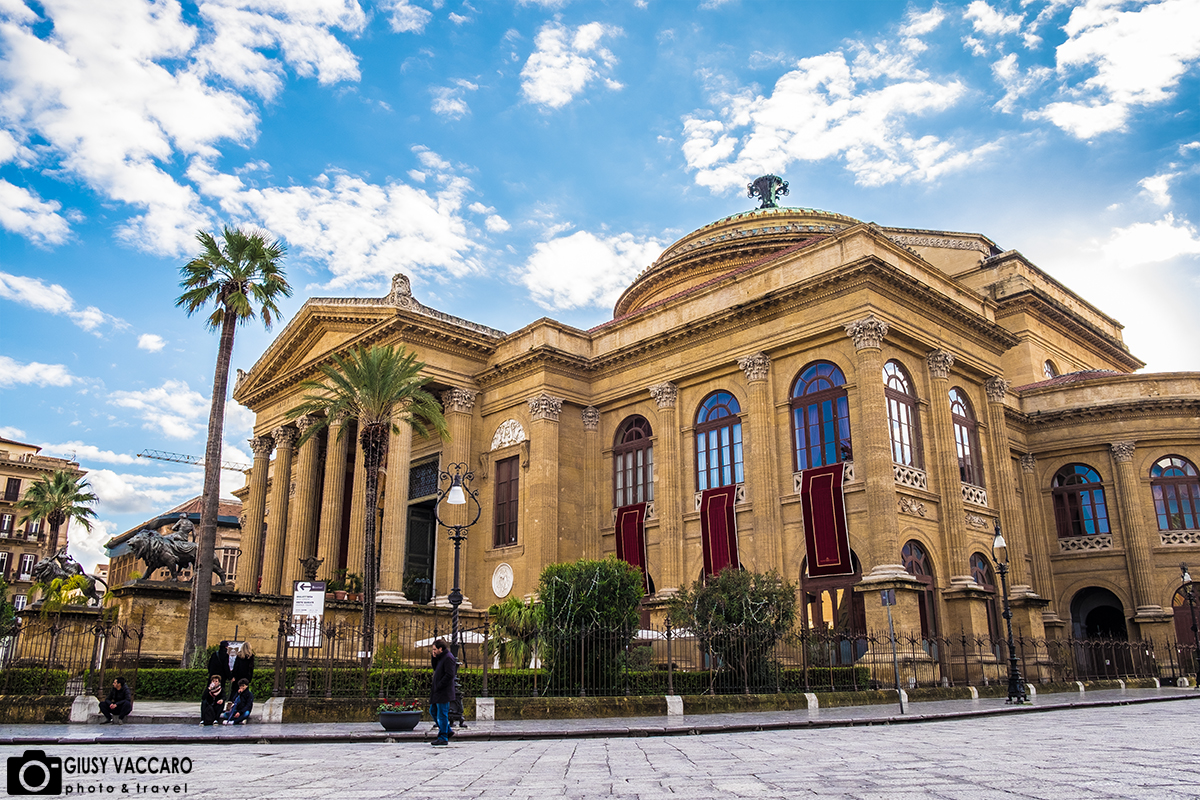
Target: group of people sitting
{"type": "Point", "coordinates": [232, 666]}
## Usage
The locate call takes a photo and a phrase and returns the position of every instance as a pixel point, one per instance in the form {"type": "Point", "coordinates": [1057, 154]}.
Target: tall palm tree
{"type": "Point", "coordinates": [58, 498]}
{"type": "Point", "coordinates": [380, 386]}
{"type": "Point", "coordinates": [239, 275]}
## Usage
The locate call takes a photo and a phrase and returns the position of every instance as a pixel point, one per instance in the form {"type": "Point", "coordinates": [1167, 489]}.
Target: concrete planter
{"type": "Point", "coordinates": [399, 720]}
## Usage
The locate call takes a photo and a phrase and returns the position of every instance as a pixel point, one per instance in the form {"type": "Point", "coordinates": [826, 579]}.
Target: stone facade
{"type": "Point", "coordinates": [1011, 381]}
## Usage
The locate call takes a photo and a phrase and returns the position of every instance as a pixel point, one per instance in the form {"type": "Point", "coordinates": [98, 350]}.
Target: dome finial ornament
{"type": "Point", "coordinates": [770, 188]}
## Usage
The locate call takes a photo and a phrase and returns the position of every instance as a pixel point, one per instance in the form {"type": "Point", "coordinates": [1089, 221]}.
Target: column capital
{"type": "Point", "coordinates": [939, 362]}
{"type": "Point", "coordinates": [285, 437]}
{"type": "Point", "coordinates": [545, 407]}
{"type": "Point", "coordinates": [996, 388]}
{"type": "Point", "coordinates": [665, 394]}
{"type": "Point", "coordinates": [867, 332]}
{"type": "Point", "coordinates": [1122, 452]}
{"type": "Point", "coordinates": [591, 418]}
{"type": "Point", "coordinates": [461, 400]}
{"type": "Point", "coordinates": [756, 366]}
{"type": "Point", "coordinates": [262, 446]}
{"type": "Point", "coordinates": [306, 422]}
{"type": "Point", "coordinates": [1028, 463]}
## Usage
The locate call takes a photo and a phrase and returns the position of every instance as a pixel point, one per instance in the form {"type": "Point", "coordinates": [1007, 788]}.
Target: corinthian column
{"type": "Point", "coordinates": [333, 497]}
{"type": "Point", "coordinates": [249, 565]}
{"type": "Point", "coordinates": [949, 479]}
{"type": "Point", "coordinates": [668, 491]}
{"type": "Point", "coordinates": [1134, 530]}
{"type": "Point", "coordinates": [394, 538]}
{"type": "Point", "coordinates": [591, 478]}
{"type": "Point", "coordinates": [302, 519]}
{"type": "Point", "coordinates": [281, 493]}
{"type": "Point", "coordinates": [544, 411]}
{"type": "Point", "coordinates": [1036, 534]}
{"type": "Point", "coordinates": [872, 449]}
{"type": "Point", "coordinates": [762, 471]}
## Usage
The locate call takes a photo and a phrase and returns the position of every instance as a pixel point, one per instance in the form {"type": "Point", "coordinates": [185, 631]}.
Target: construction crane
{"type": "Point", "coordinates": [180, 458]}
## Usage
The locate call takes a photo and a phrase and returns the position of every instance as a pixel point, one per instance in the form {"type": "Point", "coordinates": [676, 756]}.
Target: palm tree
{"type": "Point", "coordinates": [379, 386]}
{"type": "Point", "coordinates": [233, 275]}
{"type": "Point", "coordinates": [58, 498]}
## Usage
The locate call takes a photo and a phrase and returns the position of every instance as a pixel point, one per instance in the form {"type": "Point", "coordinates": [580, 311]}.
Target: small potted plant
{"type": "Point", "coordinates": [399, 715]}
{"type": "Point", "coordinates": [353, 587]}
{"type": "Point", "coordinates": [337, 585]}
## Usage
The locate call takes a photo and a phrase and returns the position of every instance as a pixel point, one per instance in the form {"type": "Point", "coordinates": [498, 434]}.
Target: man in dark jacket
{"type": "Point", "coordinates": [444, 670]}
{"type": "Point", "coordinates": [118, 703]}
{"type": "Point", "coordinates": [243, 702]}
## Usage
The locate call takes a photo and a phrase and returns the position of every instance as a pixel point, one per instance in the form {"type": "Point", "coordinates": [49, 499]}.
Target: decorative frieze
{"type": "Point", "coordinates": [910, 476]}
{"type": "Point", "coordinates": [1122, 451]}
{"type": "Point", "coordinates": [285, 437]}
{"type": "Point", "coordinates": [940, 242]}
{"type": "Point", "coordinates": [1179, 537]}
{"type": "Point", "coordinates": [976, 495]}
{"type": "Point", "coordinates": [739, 497]}
{"type": "Point", "coordinates": [460, 400]}
{"type": "Point", "coordinates": [996, 389]}
{"type": "Point", "coordinates": [591, 418]}
{"type": "Point", "coordinates": [545, 407]}
{"type": "Point", "coordinates": [756, 366]}
{"type": "Point", "coordinates": [867, 332]}
{"type": "Point", "coordinates": [665, 394]}
{"type": "Point", "coordinates": [976, 521]}
{"type": "Point", "coordinates": [940, 362]}
{"type": "Point", "coordinates": [1028, 463]}
{"type": "Point", "coordinates": [507, 434]}
{"type": "Point", "coordinates": [1083, 544]}
{"type": "Point", "coordinates": [909, 505]}
{"type": "Point", "coordinates": [262, 446]}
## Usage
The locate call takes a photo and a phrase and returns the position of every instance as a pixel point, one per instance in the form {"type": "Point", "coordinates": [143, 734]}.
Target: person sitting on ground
{"type": "Point", "coordinates": [239, 711]}
{"type": "Point", "coordinates": [220, 663]}
{"type": "Point", "coordinates": [212, 701]}
{"type": "Point", "coordinates": [118, 703]}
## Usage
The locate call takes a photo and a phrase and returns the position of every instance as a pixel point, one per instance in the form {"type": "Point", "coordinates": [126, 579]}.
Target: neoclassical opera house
{"type": "Point", "coordinates": [956, 384]}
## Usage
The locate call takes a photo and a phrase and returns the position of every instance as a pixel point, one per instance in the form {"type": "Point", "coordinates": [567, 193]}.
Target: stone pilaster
{"type": "Point", "coordinates": [762, 470]}
{"type": "Point", "coordinates": [668, 488]}
{"type": "Point", "coordinates": [393, 542]}
{"type": "Point", "coordinates": [591, 471]}
{"type": "Point", "coordinates": [949, 479]}
{"type": "Point", "coordinates": [333, 495]}
{"type": "Point", "coordinates": [542, 502]}
{"type": "Point", "coordinates": [249, 565]}
{"type": "Point", "coordinates": [281, 495]}
{"type": "Point", "coordinates": [357, 541]}
{"type": "Point", "coordinates": [303, 513]}
{"type": "Point", "coordinates": [459, 407]}
{"type": "Point", "coordinates": [1004, 487]}
{"type": "Point", "coordinates": [1135, 533]}
{"type": "Point", "coordinates": [873, 452]}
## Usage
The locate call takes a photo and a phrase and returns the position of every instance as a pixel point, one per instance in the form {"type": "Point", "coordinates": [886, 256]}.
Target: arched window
{"type": "Point", "coordinates": [633, 463]}
{"type": "Point", "coordinates": [719, 442]}
{"type": "Point", "coordinates": [831, 603]}
{"type": "Point", "coordinates": [1079, 508]}
{"type": "Point", "coordinates": [966, 438]}
{"type": "Point", "coordinates": [902, 416]}
{"type": "Point", "coordinates": [1049, 370]}
{"type": "Point", "coordinates": [918, 564]}
{"type": "Point", "coordinates": [981, 571]}
{"type": "Point", "coordinates": [820, 417]}
{"type": "Point", "coordinates": [1176, 487]}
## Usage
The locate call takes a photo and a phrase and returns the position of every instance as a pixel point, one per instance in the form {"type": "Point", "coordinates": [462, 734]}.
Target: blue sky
{"type": "Point", "coordinates": [527, 159]}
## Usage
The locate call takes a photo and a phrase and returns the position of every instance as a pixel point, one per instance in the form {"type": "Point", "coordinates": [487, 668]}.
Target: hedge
{"type": "Point", "coordinates": [29, 680]}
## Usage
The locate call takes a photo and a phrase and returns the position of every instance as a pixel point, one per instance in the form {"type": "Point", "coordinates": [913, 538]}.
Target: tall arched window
{"type": "Point", "coordinates": [918, 564]}
{"type": "Point", "coordinates": [719, 442]}
{"type": "Point", "coordinates": [902, 416]}
{"type": "Point", "coordinates": [1079, 507]}
{"type": "Point", "coordinates": [633, 463]}
{"type": "Point", "coordinates": [1176, 487]}
{"type": "Point", "coordinates": [966, 438]}
{"type": "Point", "coordinates": [981, 571]}
{"type": "Point", "coordinates": [820, 417]}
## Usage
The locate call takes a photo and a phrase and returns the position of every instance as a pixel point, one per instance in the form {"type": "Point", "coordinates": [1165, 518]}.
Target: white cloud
{"type": "Point", "coordinates": [26, 214]}
{"type": "Point", "coordinates": [458, 19]}
{"type": "Point", "coordinates": [565, 61]}
{"type": "Point", "coordinates": [493, 222]}
{"type": "Point", "coordinates": [1151, 242]}
{"type": "Point", "coordinates": [87, 547]}
{"type": "Point", "coordinates": [14, 373]}
{"type": "Point", "coordinates": [172, 409]}
{"type": "Point", "coordinates": [829, 108]}
{"type": "Point", "coordinates": [586, 270]}
{"type": "Point", "coordinates": [1158, 188]}
{"type": "Point", "coordinates": [151, 342]}
{"type": "Point", "coordinates": [124, 493]}
{"type": "Point", "coordinates": [53, 298]}
{"type": "Point", "coordinates": [919, 23]}
{"type": "Point", "coordinates": [82, 452]}
{"type": "Point", "coordinates": [405, 17]}
{"type": "Point", "coordinates": [1133, 58]}
{"type": "Point", "coordinates": [987, 20]}
{"type": "Point", "coordinates": [1017, 83]}
{"type": "Point", "coordinates": [449, 101]}
{"type": "Point", "coordinates": [9, 432]}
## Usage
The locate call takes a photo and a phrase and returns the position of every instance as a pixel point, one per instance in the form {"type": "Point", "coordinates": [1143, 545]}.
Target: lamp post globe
{"type": "Point", "coordinates": [1016, 685]}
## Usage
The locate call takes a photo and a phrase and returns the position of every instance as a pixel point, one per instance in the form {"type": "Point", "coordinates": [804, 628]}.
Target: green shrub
{"type": "Point", "coordinates": [33, 680]}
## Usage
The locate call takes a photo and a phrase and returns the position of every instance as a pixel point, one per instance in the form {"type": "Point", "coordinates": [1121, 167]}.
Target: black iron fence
{"type": "Point", "coordinates": [72, 656]}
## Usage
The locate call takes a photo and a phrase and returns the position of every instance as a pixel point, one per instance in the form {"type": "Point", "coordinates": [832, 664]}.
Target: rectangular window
{"type": "Point", "coordinates": [4, 565]}
{"type": "Point", "coordinates": [27, 562]}
{"type": "Point", "coordinates": [6, 523]}
{"type": "Point", "coordinates": [507, 494]}
{"type": "Point", "coordinates": [12, 492]}
{"type": "Point", "coordinates": [19, 602]}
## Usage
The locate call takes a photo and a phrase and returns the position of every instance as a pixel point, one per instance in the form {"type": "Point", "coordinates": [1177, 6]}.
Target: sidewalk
{"type": "Point", "coordinates": [178, 723]}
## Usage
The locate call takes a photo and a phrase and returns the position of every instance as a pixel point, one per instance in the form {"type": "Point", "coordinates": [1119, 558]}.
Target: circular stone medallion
{"type": "Point", "coordinates": [502, 580]}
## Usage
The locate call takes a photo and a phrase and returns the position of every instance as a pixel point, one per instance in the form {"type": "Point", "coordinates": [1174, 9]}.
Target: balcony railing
{"type": "Point", "coordinates": [1173, 538]}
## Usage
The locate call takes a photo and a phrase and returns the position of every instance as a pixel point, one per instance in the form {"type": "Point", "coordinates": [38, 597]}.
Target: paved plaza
{"type": "Point", "coordinates": [1146, 751]}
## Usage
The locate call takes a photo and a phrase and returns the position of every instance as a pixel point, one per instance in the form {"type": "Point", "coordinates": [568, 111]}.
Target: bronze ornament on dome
{"type": "Point", "coordinates": [768, 187]}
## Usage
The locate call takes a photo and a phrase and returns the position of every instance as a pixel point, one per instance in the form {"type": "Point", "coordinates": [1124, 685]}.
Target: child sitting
{"type": "Point", "coordinates": [239, 710]}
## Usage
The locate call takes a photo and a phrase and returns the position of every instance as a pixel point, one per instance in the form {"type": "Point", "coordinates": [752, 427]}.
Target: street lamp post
{"type": "Point", "coordinates": [1016, 686]}
{"type": "Point", "coordinates": [459, 493]}
{"type": "Point", "coordinates": [1191, 598]}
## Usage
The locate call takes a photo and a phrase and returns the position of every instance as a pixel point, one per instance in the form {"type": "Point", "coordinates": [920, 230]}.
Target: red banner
{"type": "Point", "coordinates": [631, 538]}
{"type": "Point", "coordinates": [826, 534]}
{"type": "Point", "coordinates": [718, 529]}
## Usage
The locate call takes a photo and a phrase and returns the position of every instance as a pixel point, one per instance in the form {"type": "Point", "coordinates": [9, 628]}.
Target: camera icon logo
{"type": "Point", "coordinates": [34, 773]}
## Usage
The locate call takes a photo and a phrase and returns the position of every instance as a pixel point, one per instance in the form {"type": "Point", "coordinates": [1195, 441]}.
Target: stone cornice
{"type": "Point", "coordinates": [1051, 312]}
{"type": "Point", "coordinates": [1133, 410]}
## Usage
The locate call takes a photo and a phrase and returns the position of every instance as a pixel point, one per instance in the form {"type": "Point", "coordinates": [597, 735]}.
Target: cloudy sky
{"type": "Point", "coordinates": [526, 158]}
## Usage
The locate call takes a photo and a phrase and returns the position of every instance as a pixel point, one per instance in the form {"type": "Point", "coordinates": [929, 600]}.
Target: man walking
{"type": "Point", "coordinates": [444, 670]}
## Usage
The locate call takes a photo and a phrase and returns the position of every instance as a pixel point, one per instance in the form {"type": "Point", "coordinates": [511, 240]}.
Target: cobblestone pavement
{"type": "Point", "coordinates": [1148, 751]}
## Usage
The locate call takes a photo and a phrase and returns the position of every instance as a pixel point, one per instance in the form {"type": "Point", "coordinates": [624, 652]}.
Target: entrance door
{"type": "Point", "coordinates": [419, 552]}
